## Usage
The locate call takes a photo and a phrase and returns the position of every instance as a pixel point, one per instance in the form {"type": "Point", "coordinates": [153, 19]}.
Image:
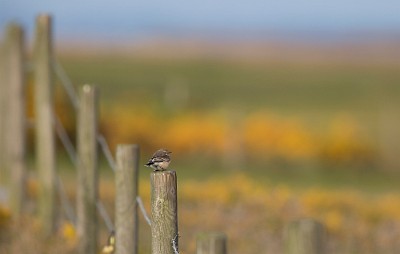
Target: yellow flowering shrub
{"type": "Point", "coordinates": [5, 216]}
{"type": "Point", "coordinates": [259, 134]}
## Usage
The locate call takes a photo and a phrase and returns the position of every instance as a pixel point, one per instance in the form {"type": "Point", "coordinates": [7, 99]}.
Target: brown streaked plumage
{"type": "Point", "coordinates": [160, 160]}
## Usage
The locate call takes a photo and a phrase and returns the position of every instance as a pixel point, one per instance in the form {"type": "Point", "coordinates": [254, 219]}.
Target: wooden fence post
{"type": "Point", "coordinates": [164, 213]}
{"type": "Point", "coordinates": [305, 236]}
{"type": "Point", "coordinates": [126, 182]}
{"type": "Point", "coordinates": [211, 243]}
{"type": "Point", "coordinates": [3, 97]}
{"type": "Point", "coordinates": [87, 189]}
{"type": "Point", "coordinates": [45, 136]}
{"type": "Point", "coordinates": [16, 119]}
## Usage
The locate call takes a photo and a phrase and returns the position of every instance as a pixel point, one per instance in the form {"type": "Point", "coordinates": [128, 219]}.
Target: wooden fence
{"type": "Point", "coordinates": [305, 236]}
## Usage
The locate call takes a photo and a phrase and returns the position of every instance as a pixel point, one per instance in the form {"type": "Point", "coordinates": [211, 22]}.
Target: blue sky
{"type": "Point", "coordinates": [127, 19]}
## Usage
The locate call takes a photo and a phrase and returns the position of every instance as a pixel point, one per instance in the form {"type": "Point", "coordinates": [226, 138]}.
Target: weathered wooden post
{"type": "Point", "coordinates": [211, 243]}
{"type": "Point", "coordinates": [126, 216]}
{"type": "Point", "coordinates": [45, 136]}
{"type": "Point", "coordinates": [305, 236]}
{"type": "Point", "coordinates": [16, 119]}
{"type": "Point", "coordinates": [3, 97]}
{"type": "Point", "coordinates": [164, 213]}
{"type": "Point", "coordinates": [87, 189]}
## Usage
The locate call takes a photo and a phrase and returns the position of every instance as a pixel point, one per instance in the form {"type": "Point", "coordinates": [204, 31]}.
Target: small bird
{"type": "Point", "coordinates": [160, 160]}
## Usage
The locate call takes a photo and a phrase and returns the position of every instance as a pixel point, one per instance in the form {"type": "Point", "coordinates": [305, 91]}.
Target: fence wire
{"type": "Point", "coordinates": [66, 204]}
{"type": "Point", "coordinates": [68, 145]}
{"type": "Point", "coordinates": [106, 151]}
{"type": "Point", "coordinates": [65, 140]}
{"type": "Point", "coordinates": [143, 210]}
{"type": "Point", "coordinates": [66, 82]}
{"type": "Point", "coordinates": [103, 213]}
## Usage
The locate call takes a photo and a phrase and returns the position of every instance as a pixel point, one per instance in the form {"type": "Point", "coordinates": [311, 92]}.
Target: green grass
{"type": "Point", "coordinates": [218, 83]}
{"type": "Point", "coordinates": [311, 93]}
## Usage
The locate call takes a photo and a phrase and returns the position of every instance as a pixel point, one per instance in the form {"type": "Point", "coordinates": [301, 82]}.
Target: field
{"type": "Point", "coordinates": [256, 144]}
{"type": "Point", "coordinates": [272, 111]}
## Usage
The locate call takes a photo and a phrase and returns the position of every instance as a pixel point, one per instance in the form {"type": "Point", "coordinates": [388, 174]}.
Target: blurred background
{"type": "Point", "coordinates": [274, 110]}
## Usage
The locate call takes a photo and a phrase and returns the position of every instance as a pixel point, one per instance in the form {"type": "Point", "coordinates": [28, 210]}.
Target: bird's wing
{"type": "Point", "coordinates": [159, 159]}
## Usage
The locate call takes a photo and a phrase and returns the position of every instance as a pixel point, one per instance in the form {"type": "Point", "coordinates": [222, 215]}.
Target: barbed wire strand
{"type": "Point", "coordinates": [69, 88]}
{"type": "Point", "coordinates": [103, 213]}
{"type": "Point", "coordinates": [65, 140]}
{"type": "Point", "coordinates": [66, 82]}
{"type": "Point", "coordinates": [106, 151]}
{"type": "Point", "coordinates": [174, 243]}
{"type": "Point", "coordinates": [143, 210]}
{"type": "Point", "coordinates": [69, 212]}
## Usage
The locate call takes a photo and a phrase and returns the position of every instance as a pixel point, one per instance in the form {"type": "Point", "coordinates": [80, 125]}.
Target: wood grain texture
{"type": "Point", "coordinates": [164, 213]}
{"type": "Point", "coordinates": [16, 119]}
{"type": "Point", "coordinates": [126, 215]}
{"type": "Point", "coordinates": [3, 109]}
{"type": "Point", "coordinates": [87, 189]}
{"type": "Point", "coordinates": [305, 236]}
{"type": "Point", "coordinates": [45, 136]}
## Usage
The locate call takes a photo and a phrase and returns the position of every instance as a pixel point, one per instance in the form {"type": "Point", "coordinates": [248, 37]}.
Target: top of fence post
{"type": "Point", "coordinates": [305, 236]}
{"type": "Point", "coordinates": [211, 243]}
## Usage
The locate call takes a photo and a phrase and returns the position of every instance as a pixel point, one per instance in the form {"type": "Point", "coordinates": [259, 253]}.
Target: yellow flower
{"type": "Point", "coordinates": [334, 220]}
{"type": "Point", "coordinates": [69, 232]}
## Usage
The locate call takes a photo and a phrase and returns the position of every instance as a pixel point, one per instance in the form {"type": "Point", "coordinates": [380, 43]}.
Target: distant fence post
{"type": "Point", "coordinates": [305, 236]}
{"type": "Point", "coordinates": [16, 119]}
{"type": "Point", "coordinates": [126, 182]}
{"type": "Point", "coordinates": [211, 243]}
{"type": "Point", "coordinates": [3, 97]}
{"type": "Point", "coordinates": [45, 136]}
{"type": "Point", "coordinates": [164, 214]}
{"type": "Point", "coordinates": [87, 189]}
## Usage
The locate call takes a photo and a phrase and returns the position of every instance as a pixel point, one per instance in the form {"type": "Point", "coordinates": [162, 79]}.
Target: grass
{"type": "Point", "coordinates": [312, 93]}
{"type": "Point", "coordinates": [258, 197]}
{"type": "Point", "coordinates": [218, 83]}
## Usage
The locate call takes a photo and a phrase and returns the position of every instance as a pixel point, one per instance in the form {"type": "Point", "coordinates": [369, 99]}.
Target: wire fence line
{"type": "Point", "coordinates": [68, 145]}
{"type": "Point", "coordinates": [106, 151]}
{"type": "Point", "coordinates": [143, 210]}
{"type": "Point", "coordinates": [65, 202]}
{"type": "Point", "coordinates": [65, 140]}
{"type": "Point", "coordinates": [72, 154]}
{"type": "Point", "coordinates": [103, 213]}
{"type": "Point", "coordinates": [49, 126]}
{"type": "Point", "coordinates": [66, 83]}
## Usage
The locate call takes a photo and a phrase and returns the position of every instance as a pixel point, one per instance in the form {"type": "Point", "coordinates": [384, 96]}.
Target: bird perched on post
{"type": "Point", "coordinates": [160, 160]}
